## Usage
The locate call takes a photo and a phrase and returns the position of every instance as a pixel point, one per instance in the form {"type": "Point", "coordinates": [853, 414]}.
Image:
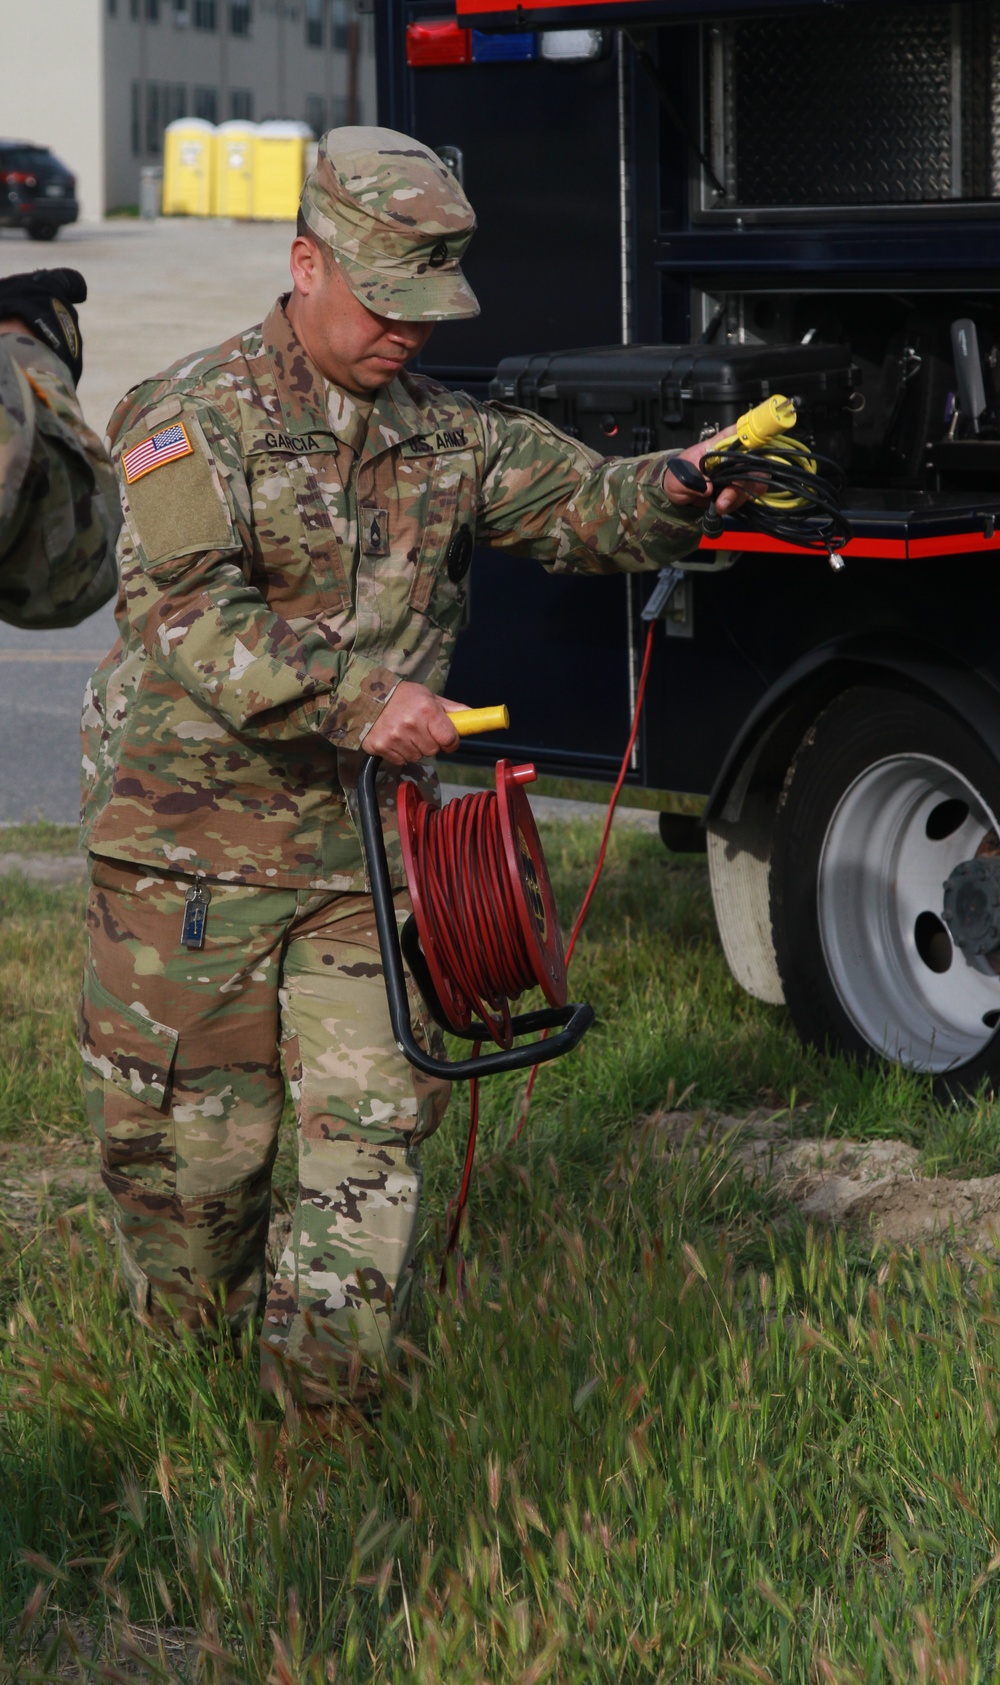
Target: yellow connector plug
{"type": "Point", "coordinates": [467, 721]}
{"type": "Point", "coordinates": [760, 425]}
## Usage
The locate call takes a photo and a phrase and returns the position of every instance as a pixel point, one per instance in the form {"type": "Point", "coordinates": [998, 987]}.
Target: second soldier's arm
{"type": "Point", "coordinates": [59, 513]}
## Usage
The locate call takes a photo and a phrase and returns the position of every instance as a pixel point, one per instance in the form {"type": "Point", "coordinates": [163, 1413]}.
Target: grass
{"type": "Point", "coordinates": [39, 837]}
{"type": "Point", "coordinates": [670, 1433]}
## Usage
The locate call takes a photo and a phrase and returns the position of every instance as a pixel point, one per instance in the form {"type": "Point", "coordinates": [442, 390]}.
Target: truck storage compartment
{"type": "Point", "coordinates": [625, 400]}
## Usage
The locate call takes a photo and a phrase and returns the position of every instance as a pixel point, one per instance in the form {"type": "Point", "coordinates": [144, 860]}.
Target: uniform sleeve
{"type": "Point", "coordinates": [546, 495]}
{"type": "Point", "coordinates": [185, 560]}
{"type": "Point", "coordinates": [59, 514]}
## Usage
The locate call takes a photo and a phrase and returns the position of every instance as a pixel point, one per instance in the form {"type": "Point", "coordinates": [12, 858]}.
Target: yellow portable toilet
{"type": "Point", "coordinates": [279, 169]}
{"type": "Point", "coordinates": [187, 167]}
{"type": "Point", "coordinates": [232, 178]}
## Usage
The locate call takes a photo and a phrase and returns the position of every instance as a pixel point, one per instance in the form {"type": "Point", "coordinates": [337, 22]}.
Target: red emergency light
{"type": "Point", "coordinates": [438, 41]}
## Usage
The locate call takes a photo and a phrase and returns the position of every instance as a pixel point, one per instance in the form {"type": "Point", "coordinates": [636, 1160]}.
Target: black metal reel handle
{"type": "Point", "coordinates": [576, 1018]}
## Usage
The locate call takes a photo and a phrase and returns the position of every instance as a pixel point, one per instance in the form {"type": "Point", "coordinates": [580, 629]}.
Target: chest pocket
{"type": "Point", "coordinates": [297, 547]}
{"type": "Point", "coordinates": [448, 506]}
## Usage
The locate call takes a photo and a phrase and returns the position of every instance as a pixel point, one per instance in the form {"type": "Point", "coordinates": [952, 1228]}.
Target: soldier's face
{"type": "Point", "coordinates": [349, 343]}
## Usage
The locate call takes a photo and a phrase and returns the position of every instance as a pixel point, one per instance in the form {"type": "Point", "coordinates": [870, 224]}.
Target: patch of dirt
{"type": "Point", "coordinates": [873, 1184]}
{"type": "Point", "coordinates": [55, 1176]}
{"type": "Point", "coordinates": [123, 1651]}
{"type": "Point", "coordinates": [46, 1178]}
{"type": "Point", "coordinates": [45, 868]}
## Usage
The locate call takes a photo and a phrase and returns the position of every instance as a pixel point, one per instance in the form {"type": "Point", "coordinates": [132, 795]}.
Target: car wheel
{"type": "Point", "coordinates": [887, 794]}
{"type": "Point", "coordinates": [42, 230]}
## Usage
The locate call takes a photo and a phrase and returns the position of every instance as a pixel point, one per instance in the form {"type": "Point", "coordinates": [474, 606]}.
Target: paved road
{"type": "Point", "coordinates": [157, 291]}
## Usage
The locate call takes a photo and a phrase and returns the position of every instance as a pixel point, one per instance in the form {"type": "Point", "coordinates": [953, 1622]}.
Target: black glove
{"type": "Point", "coordinates": [44, 301]}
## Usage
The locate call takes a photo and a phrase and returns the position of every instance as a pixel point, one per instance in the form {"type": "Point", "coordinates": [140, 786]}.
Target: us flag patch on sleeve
{"type": "Point", "coordinates": [153, 452]}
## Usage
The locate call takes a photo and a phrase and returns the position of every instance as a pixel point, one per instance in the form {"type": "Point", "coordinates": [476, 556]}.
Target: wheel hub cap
{"type": "Point", "coordinates": [898, 832]}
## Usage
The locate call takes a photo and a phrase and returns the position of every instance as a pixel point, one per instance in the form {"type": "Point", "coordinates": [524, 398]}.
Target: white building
{"type": "Point", "coordinates": [98, 80]}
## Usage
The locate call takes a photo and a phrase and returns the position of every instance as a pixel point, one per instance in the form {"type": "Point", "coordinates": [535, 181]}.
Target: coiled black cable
{"type": "Point", "coordinates": [801, 504]}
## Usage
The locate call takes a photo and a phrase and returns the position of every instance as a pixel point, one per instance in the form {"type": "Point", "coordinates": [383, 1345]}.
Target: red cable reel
{"type": "Point", "coordinates": [482, 901]}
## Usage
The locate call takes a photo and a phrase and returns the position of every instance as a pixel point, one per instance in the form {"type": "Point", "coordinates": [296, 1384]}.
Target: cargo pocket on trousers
{"type": "Point", "coordinates": [128, 1062]}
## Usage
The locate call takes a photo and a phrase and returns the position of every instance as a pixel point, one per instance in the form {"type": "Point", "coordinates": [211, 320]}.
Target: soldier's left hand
{"type": "Point", "coordinates": [729, 499]}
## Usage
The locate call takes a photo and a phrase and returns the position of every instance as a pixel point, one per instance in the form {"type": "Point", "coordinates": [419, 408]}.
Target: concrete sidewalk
{"type": "Point", "coordinates": [158, 291]}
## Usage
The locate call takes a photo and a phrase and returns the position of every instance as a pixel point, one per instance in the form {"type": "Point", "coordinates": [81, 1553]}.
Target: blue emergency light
{"type": "Point", "coordinates": [504, 49]}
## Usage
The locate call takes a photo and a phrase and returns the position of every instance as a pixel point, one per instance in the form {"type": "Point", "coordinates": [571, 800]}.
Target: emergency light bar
{"type": "Point", "coordinates": [443, 41]}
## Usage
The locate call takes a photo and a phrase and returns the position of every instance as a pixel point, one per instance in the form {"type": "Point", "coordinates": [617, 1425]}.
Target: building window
{"type": "Point", "coordinates": [241, 105]}
{"type": "Point", "coordinates": [206, 104]}
{"type": "Point", "coordinates": [204, 14]}
{"type": "Point", "coordinates": [134, 8]}
{"type": "Point", "coordinates": [239, 17]}
{"type": "Point", "coordinates": [164, 103]}
{"type": "Point", "coordinates": [339, 107]}
{"type": "Point", "coordinates": [316, 113]}
{"type": "Point", "coordinates": [182, 14]}
{"type": "Point", "coordinates": [153, 10]}
{"type": "Point", "coordinates": [314, 23]}
{"type": "Point", "coordinates": [341, 23]}
{"type": "Point", "coordinates": [112, 8]}
{"type": "Point", "coordinates": [154, 119]}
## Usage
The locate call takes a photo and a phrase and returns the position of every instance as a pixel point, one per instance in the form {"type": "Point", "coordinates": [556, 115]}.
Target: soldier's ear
{"type": "Point", "coordinates": [305, 263]}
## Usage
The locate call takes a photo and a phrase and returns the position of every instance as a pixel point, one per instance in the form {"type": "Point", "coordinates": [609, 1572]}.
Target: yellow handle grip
{"type": "Point", "coordinates": [467, 721]}
{"type": "Point", "coordinates": [762, 424]}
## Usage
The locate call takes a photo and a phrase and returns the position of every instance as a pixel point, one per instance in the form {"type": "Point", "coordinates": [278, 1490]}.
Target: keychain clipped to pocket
{"type": "Point", "coordinates": [195, 913]}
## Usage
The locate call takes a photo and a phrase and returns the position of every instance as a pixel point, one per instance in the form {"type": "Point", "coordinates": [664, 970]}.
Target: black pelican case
{"type": "Point", "coordinates": [626, 400]}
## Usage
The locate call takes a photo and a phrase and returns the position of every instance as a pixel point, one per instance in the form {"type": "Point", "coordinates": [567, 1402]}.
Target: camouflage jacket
{"type": "Point", "coordinates": [59, 514]}
{"type": "Point", "coordinates": [284, 566]}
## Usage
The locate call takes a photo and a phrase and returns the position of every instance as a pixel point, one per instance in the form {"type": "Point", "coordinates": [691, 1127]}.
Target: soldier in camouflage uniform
{"type": "Point", "coordinates": [59, 513]}
{"type": "Point", "coordinates": [299, 516]}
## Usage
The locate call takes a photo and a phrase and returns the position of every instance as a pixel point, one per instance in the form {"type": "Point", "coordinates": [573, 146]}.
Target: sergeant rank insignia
{"type": "Point", "coordinates": [153, 452]}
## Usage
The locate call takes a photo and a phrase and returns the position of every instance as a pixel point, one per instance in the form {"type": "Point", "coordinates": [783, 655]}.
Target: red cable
{"type": "Point", "coordinates": [464, 882]}
{"type": "Point", "coordinates": [640, 697]}
{"type": "Point", "coordinates": [458, 1206]}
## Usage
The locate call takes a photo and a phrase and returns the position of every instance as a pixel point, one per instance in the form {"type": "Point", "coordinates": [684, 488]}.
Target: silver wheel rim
{"type": "Point", "coordinates": [907, 989]}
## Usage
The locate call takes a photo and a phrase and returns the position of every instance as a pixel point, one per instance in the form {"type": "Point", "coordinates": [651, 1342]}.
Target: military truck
{"type": "Point", "coordinates": [686, 205]}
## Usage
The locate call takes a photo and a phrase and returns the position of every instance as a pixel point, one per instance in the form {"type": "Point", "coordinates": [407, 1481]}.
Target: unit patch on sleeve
{"type": "Point", "coordinates": [166, 446]}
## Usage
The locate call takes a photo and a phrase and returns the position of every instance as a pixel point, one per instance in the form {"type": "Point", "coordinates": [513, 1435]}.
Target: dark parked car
{"type": "Point", "coordinates": [37, 192]}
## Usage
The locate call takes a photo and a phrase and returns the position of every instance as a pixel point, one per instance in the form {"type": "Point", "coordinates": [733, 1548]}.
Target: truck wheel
{"type": "Point", "coordinates": [887, 794]}
{"type": "Point", "coordinates": [42, 230]}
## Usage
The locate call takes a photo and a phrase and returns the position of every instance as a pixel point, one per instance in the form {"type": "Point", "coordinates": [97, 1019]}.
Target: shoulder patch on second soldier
{"type": "Point", "coordinates": [184, 509]}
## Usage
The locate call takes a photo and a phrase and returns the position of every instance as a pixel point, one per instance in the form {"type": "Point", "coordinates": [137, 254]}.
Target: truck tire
{"type": "Point", "coordinates": [887, 793]}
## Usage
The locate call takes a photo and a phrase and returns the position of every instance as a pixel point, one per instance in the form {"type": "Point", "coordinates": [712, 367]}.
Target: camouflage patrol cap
{"type": "Point", "coordinates": [397, 223]}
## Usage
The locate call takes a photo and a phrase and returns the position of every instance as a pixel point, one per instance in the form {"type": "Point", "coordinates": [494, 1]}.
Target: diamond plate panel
{"type": "Point", "coordinates": [995, 101]}
{"type": "Point", "coordinates": [844, 110]}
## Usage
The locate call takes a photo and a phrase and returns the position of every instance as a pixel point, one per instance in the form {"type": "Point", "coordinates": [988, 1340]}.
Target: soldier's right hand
{"type": "Point", "coordinates": [413, 723]}
{"type": "Point", "coordinates": [43, 301]}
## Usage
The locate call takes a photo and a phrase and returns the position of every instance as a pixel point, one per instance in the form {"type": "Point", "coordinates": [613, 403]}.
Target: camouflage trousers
{"type": "Point", "coordinates": [183, 1052]}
